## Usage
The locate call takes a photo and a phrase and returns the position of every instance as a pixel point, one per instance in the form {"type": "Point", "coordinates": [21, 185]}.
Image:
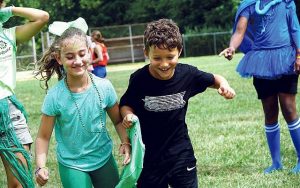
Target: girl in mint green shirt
{"type": "Point", "coordinates": [76, 108]}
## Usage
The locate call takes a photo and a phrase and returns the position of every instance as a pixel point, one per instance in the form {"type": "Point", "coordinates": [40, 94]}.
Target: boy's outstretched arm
{"type": "Point", "coordinates": [223, 87]}
{"type": "Point", "coordinates": [236, 38]}
{"type": "Point", "coordinates": [37, 19]}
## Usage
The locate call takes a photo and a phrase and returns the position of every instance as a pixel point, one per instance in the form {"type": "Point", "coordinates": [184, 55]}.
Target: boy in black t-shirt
{"type": "Point", "coordinates": [158, 95]}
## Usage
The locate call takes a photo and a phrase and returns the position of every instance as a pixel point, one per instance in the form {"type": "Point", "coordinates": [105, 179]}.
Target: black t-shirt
{"type": "Point", "coordinates": [161, 107]}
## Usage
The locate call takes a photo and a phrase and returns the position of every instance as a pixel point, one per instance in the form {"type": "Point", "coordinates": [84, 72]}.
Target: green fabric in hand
{"type": "Point", "coordinates": [132, 171]}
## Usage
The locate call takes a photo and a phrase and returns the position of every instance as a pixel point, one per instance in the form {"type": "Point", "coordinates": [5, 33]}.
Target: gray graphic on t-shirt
{"type": "Point", "coordinates": [164, 103]}
{"type": "Point", "coordinates": [3, 45]}
{"type": "Point", "coordinates": [4, 48]}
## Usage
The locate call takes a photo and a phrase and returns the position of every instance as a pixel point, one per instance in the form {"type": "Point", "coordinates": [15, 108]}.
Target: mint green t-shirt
{"type": "Point", "coordinates": [87, 147]}
{"type": "Point", "coordinates": [7, 62]}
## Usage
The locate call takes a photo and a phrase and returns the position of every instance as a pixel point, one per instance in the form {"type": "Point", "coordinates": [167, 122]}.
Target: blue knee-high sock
{"type": "Point", "coordinates": [294, 128]}
{"type": "Point", "coordinates": [273, 138]}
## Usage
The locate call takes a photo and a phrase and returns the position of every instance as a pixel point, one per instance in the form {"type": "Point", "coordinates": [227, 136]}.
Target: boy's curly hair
{"type": "Point", "coordinates": [164, 34]}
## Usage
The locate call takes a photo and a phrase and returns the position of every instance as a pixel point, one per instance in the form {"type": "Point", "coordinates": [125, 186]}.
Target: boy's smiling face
{"type": "Point", "coordinates": [162, 61]}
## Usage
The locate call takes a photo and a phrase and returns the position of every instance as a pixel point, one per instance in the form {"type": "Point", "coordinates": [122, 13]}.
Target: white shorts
{"type": "Point", "coordinates": [20, 126]}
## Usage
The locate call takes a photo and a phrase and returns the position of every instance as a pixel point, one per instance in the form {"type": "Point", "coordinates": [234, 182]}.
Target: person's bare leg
{"type": "Point", "coordinates": [12, 181]}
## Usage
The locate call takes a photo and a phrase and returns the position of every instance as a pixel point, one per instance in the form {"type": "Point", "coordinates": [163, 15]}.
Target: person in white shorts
{"type": "Point", "coordinates": [15, 139]}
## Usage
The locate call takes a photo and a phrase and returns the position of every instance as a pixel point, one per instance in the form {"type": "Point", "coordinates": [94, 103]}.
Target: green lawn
{"type": "Point", "coordinates": [227, 135]}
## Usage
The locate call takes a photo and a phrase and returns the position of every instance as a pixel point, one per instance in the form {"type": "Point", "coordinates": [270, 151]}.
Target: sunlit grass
{"type": "Point", "coordinates": [227, 135]}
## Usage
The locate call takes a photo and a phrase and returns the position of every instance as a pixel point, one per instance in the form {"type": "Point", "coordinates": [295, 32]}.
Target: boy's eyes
{"type": "Point", "coordinates": [159, 58]}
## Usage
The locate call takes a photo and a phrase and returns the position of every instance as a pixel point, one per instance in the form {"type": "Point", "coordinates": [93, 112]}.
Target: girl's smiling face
{"type": "Point", "coordinates": [162, 62]}
{"type": "Point", "coordinates": [74, 55]}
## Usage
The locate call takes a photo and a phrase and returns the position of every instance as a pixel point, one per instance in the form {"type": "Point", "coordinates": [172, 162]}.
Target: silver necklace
{"type": "Point", "coordinates": [78, 110]}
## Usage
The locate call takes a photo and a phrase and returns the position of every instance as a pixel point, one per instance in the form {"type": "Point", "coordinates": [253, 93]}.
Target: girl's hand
{"type": "Point", "coordinates": [228, 53]}
{"type": "Point", "coordinates": [226, 91]}
{"type": "Point", "coordinates": [127, 121]}
{"type": "Point", "coordinates": [42, 176]}
{"type": "Point", "coordinates": [125, 149]}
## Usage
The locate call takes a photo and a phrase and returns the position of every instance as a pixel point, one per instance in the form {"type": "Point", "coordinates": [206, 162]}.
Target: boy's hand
{"type": "Point", "coordinates": [127, 121]}
{"type": "Point", "coordinates": [125, 149]}
{"type": "Point", "coordinates": [42, 176]}
{"type": "Point", "coordinates": [226, 91]}
{"type": "Point", "coordinates": [228, 53]}
{"type": "Point", "coordinates": [5, 14]}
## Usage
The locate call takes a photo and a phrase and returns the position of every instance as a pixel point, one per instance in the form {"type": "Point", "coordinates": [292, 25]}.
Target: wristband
{"type": "Point", "coordinates": [298, 56]}
{"type": "Point", "coordinates": [125, 143]}
{"type": "Point", "coordinates": [38, 169]}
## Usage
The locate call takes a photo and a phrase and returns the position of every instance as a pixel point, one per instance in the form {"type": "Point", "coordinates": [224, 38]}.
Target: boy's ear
{"type": "Point", "coordinates": [179, 53]}
{"type": "Point", "coordinates": [146, 53]}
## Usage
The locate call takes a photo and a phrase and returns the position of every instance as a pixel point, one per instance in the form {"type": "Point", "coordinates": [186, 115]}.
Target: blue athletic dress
{"type": "Point", "coordinates": [271, 38]}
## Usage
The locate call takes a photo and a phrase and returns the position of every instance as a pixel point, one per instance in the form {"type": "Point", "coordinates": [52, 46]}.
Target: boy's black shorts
{"type": "Point", "coordinates": [266, 88]}
{"type": "Point", "coordinates": [181, 173]}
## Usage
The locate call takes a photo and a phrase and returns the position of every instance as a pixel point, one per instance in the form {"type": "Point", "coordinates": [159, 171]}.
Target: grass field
{"type": "Point", "coordinates": [227, 135]}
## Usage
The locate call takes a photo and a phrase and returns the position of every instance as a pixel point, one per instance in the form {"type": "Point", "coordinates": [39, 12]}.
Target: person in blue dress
{"type": "Point", "coordinates": [267, 31]}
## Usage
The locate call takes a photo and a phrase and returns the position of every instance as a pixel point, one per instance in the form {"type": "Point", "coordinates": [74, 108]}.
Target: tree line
{"type": "Point", "coordinates": [191, 15]}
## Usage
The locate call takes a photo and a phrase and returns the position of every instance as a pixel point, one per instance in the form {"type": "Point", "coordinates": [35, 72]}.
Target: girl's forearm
{"type": "Point", "coordinates": [41, 152]}
{"type": "Point", "coordinates": [122, 133]}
